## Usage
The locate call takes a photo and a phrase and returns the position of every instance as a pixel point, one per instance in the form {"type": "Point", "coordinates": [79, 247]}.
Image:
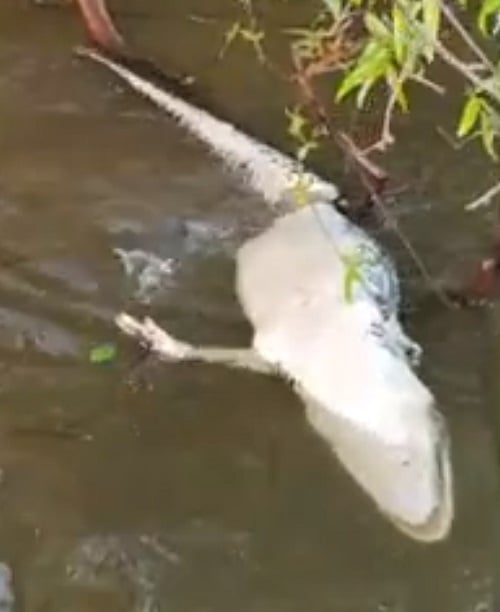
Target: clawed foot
{"type": "Point", "coordinates": [156, 339]}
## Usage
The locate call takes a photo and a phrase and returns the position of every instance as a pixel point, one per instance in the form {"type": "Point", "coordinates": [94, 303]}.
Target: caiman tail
{"type": "Point", "coordinates": [263, 170]}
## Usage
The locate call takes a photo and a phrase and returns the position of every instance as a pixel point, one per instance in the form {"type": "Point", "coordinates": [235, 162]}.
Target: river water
{"type": "Point", "coordinates": [144, 487]}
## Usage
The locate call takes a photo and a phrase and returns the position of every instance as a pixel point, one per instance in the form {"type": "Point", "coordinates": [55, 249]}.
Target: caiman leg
{"type": "Point", "coordinates": [169, 348]}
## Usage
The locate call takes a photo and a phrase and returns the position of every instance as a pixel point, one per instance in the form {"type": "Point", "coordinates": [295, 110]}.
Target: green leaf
{"type": "Point", "coordinates": [400, 37]}
{"type": "Point", "coordinates": [352, 275]}
{"type": "Point", "coordinates": [335, 7]}
{"type": "Point", "coordinates": [432, 17]}
{"type": "Point", "coordinates": [488, 134]}
{"type": "Point", "coordinates": [376, 27]}
{"type": "Point", "coordinates": [297, 124]}
{"type": "Point", "coordinates": [372, 65]}
{"type": "Point", "coordinates": [396, 83]}
{"type": "Point", "coordinates": [488, 8]}
{"type": "Point", "coordinates": [103, 353]}
{"type": "Point", "coordinates": [363, 92]}
{"type": "Point", "coordinates": [401, 96]}
{"type": "Point", "coordinates": [301, 190]}
{"type": "Point", "coordinates": [304, 150]}
{"type": "Point", "coordinates": [351, 81]}
{"type": "Point", "coordinates": [470, 115]}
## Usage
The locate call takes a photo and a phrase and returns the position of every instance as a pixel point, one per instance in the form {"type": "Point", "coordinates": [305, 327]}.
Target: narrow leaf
{"type": "Point", "coordinates": [352, 277]}
{"type": "Point", "coordinates": [376, 26]}
{"type": "Point", "coordinates": [396, 83]}
{"type": "Point", "coordinates": [372, 65]}
{"type": "Point", "coordinates": [400, 33]}
{"type": "Point", "coordinates": [469, 117]}
{"type": "Point", "coordinates": [363, 92]}
{"type": "Point", "coordinates": [352, 274]}
{"type": "Point", "coordinates": [432, 17]}
{"type": "Point", "coordinates": [488, 135]}
{"type": "Point", "coordinates": [103, 353]}
{"type": "Point", "coordinates": [488, 8]}
{"type": "Point", "coordinates": [297, 124]}
{"type": "Point", "coordinates": [401, 96]}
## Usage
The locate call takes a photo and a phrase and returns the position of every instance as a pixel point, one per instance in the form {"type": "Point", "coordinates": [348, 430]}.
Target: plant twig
{"type": "Point", "coordinates": [374, 180]}
{"type": "Point", "coordinates": [485, 198]}
{"type": "Point", "coordinates": [449, 13]}
{"type": "Point", "coordinates": [386, 138]}
{"type": "Point", "coordinates": [432, 85]}
{"type": "Point", "coordinates": [376, 175]}
{"type": "Point", "coordinates": [452, 60]}
{"type": "Point", "coordinates": [453, 142]}
{"type": "Point", "coordinates": [99, 24]}
{"type": "Point", "coordinates": [449, 58]}
{"type": "Point", "coordinates": [420, 265]}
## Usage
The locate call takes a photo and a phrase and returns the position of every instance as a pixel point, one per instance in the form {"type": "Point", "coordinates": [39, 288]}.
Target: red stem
{"type": "Point", "coordinates": [99, 24]}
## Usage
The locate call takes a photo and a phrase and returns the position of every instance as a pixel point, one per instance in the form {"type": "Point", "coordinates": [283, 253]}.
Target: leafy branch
{"type": "Point", "coordinates": [373, 50]}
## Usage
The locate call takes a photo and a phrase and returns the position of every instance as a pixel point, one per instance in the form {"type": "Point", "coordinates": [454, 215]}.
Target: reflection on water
{"type": "Point", "coordinates": [182, 487]}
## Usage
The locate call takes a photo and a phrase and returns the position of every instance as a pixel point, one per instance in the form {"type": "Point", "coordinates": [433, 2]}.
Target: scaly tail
{"type": "Point", "coordinates": [266, 171]}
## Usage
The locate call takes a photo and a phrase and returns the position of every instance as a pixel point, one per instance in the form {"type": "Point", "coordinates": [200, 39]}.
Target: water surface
{"type": "Point", "coordinates": [191, 487]}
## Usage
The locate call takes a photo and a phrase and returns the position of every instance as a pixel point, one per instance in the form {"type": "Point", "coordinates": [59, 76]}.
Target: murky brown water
{"type": "Point", "coordinates": [194, 488]}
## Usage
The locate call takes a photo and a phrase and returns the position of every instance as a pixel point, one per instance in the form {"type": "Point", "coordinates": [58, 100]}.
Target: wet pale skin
{"type": "Point", "coordinates": [237, 502]}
